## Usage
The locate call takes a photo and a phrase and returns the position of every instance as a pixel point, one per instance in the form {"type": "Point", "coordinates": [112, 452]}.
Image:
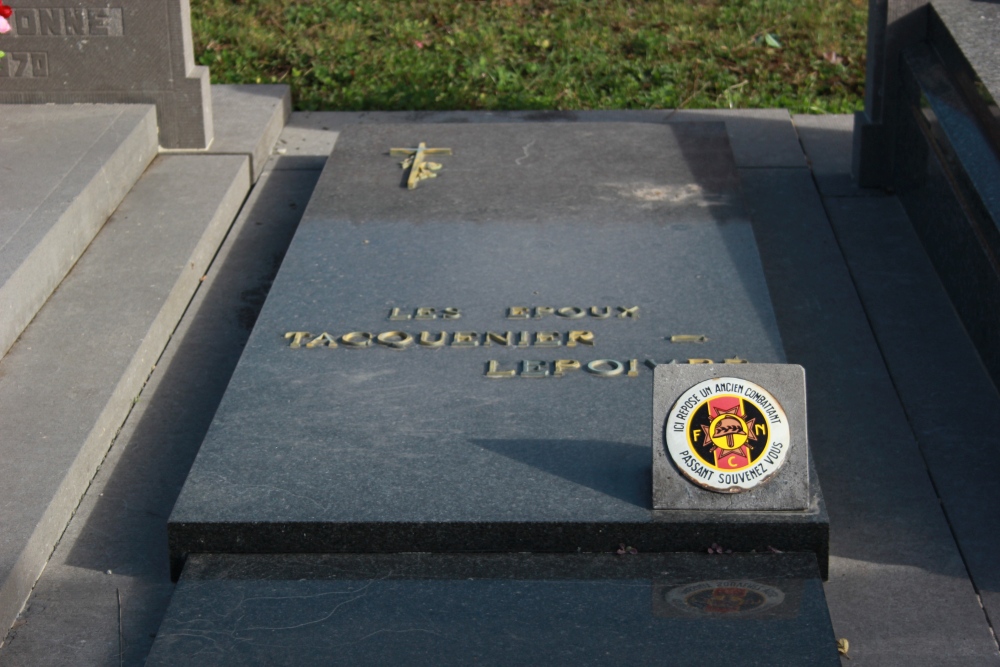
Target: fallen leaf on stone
{"type": "Point", "coordinates": [843, 646]}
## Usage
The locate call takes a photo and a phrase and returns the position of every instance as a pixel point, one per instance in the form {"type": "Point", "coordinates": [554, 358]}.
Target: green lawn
{"type": "Point", "coordinates": [805, 55]}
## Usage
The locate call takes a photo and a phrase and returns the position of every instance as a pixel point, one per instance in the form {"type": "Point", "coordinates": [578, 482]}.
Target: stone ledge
{"type": "Point", "coordinates": [248, 121]}
{"type": "Point", "coordinates": [71, 379]}
{"type": "Point", "coordinates": [66, 169]}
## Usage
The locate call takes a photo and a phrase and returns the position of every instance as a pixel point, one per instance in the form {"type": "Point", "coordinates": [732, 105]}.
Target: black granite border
{"type": "Point", "coordinates": [667, 532]}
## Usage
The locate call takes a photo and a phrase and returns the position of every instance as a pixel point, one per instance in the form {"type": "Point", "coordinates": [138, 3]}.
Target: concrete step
{"type": "Point", "coordinates": [65, 170]}
{"type": "Point", "coordinates": [69, 382]}
{"type": "Point", "coordinates": [67, 167]}
{"type": "Point", "coordinates": [248, 120]}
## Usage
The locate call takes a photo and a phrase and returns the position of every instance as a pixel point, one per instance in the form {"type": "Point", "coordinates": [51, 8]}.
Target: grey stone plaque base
{"type": "Point", "coordinates": [787, 489]}
{"type": "Point", "coordinates": [440, 609]}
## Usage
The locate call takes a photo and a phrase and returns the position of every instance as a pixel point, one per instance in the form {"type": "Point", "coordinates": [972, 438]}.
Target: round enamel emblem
{"type": "Point", "coordinates": [727, 434]}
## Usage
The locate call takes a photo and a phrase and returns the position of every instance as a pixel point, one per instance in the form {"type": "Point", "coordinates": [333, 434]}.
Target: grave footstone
{"type": "Point", "coordinates": [468, 365]}
{"type": "Point", "coordinates": [106, 52]}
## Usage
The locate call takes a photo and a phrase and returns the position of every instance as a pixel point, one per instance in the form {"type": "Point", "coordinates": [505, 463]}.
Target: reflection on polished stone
{"type": "Point", "coordinates": [518, 609]}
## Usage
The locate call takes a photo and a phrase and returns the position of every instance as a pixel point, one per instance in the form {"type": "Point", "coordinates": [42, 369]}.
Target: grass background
{"type": "Point", "coordinates": [804, 55]}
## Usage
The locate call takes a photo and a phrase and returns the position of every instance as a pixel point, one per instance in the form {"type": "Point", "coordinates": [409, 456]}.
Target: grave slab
{"type": "Point", "coordinates": [70, 380]}
{"type": "Point", "coordinates": [482, 443]}
{"type": "Point", "coordinates": [65, 170]}
{"type": "Point", "coordinates": [441, 609]}
{"type": "Point", "coordinates": [112, 53]}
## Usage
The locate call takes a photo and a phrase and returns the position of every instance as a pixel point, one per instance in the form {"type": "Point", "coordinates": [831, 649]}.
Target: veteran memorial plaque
{"type": "Point", "coordinates": [729, 435]}
{"type": "Point", "coordinates": [467, 364]}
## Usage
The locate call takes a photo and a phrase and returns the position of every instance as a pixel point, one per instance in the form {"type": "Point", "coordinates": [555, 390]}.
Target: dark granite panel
{"type": "Point", "coordinates": [949, 183]}
{"type": "Point", "coordinates": [426, 609]}
{"type": "Point", "coordinates": [974, 26]}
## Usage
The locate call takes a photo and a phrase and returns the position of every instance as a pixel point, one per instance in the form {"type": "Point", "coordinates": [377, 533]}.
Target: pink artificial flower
{"type": "Point", "coordinates": [4, 25]}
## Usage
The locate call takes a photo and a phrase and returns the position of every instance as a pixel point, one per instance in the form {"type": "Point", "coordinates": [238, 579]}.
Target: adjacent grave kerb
{"type": "Point", "coordinates": [892, 26]}
{"type": "Point", "coordinates": [110, 52]}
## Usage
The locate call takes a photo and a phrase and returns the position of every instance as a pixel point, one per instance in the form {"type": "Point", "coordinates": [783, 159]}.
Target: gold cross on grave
{"type": "Point", "coordinates": [418, 166]}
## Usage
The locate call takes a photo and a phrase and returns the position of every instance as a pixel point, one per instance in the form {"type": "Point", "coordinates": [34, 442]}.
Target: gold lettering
{"type": "Point", "coordinates": [547, 339]}
{"type": "Point", "coordinates": [523, 340]}
{"type": "Point", "coordinates": [426, 341]}
{"type": "Point", "coordinates": [518, 313]}
{"type": "Point", "coordinates": [394, 314]}
{"type": "Point", "coordinates": [356, 339]}
{"type": "Point", "coordinates": [632, 312]}
{"type": "Point", "coordinates": [633, 368]}
{"type": "Point", "coordinates": [322, 339]}
{"type": "Point", "coordinates": [700, 361]}
{"type": "Point", "coordinates": [395, 339]}
{"type": "Point", "coordinates": [605, 367]}
{"type": "Point", "coordinates": [688, 338]}
{"type": "Point", "coordinates": [534, 369]}
{"type": "Point", "coordinates": [425, 314]}
{"type": "Point", "coordinates": [493, 372]}
{"type": "Point", "coordinates": [571, 312]}
{"type": "Point", "coordinates": [581, 337]}
{"type": "Point", "coordinates": [464, 339]}
{"type": "Point", "coordinates": [452, 313]}
{"type": "Point", "coordinates": [697, 434]}
{"type": "Point", "coordinates": [563, 365]}
{"type": "Point", "coordinates": [498, 338]}
{"type": "Point", "coordinates": [735, 360]}
{"type": "Point", "coordinates": [542, 311]}
{"type": "Point", "coordinates": [760, 429]}
{"type": "Point", "coordinates": [600, 315]}
{"type": "Point", "coordinates": [297, 337]}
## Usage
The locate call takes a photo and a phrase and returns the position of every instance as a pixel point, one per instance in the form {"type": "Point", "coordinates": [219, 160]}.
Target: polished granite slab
{"type": "Point", "coordinates": [443, 609]}
{"type": "Point", "coordinates": [418, 422]}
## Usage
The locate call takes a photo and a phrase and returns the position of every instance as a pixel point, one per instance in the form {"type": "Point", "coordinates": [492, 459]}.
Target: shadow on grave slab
{"type": "Point", "coordinates": [617, 469]}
